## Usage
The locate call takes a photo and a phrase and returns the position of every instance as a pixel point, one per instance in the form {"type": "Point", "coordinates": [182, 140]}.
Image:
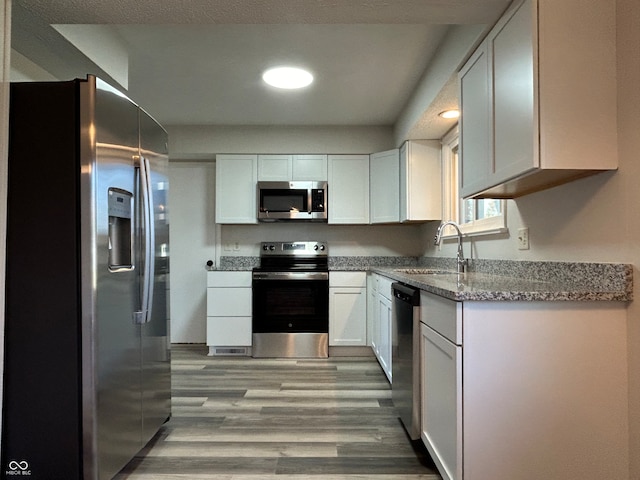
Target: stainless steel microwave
{"type": "Point", "coordinates": [280, 201]}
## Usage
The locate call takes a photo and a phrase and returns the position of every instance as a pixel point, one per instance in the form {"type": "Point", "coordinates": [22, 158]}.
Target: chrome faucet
{"type": "Point", "coordinates": [461, 262]}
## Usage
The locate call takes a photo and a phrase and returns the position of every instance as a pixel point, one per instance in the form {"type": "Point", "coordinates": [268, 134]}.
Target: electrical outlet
{"type": "Point", "coordinates": [523, 238]}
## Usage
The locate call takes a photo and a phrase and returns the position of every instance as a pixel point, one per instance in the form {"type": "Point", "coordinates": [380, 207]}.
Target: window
{"type": "Point", "coordinates": [475, 217]}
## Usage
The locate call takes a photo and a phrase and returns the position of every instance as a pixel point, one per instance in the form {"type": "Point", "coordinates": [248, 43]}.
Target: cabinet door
{"type": "Point", "coordinates": [476, 164]}
{"type": "Point", "coordinates": [310, 167]}
{"type": "Point", "coordinates": [229, 331]}
{"type": "Point", "coordinates": [385, 187]}
{"type": "Point", "coordinates": [275, 168]}
{"type": "Point", "coordinates": [442, 402]}
{"type": "Point", "coordinates": [236, 177]}
{"type": "Point", "coordinates": [372, 308]}
{"type": "Point", "coordinates": [229, 302]}
{"type": "Point", "coordinates": [347, 316]}
{"type": "Point", "coordinates": [420, 181]}
{"type": "Point", "coordinates": [348, 196]}
{"type": "Point", "coordinates": [386, 334]}
{"type": "Point", "coordinates": [513, 96]}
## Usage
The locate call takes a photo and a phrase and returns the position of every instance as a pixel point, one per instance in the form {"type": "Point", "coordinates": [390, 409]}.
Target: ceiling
{"type": "Point", "coordinates": [199, 62]}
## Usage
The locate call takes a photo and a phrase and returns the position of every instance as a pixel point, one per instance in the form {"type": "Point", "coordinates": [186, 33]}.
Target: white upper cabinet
{"type": "Point", "coordinates": [348, 186]}
{"type": "Point", "coordinates": [475, 98]}
{"type": "Point", "coordinates": [420, 181]}
{"type": "Point", "coordinates": [275, 168]}
{"type": "Point", "coordinates": [310, 167]}
{"type": "Point", "coordinates": [406, 184]}
{"type": "Point", "coordinates": [236, 177]}
{"type": "Point", "coordinates": [285, 168]}
{"type": "Point", "coordinates": [385, 187]}
{"type": "Point", "coordinates": [538, 99]}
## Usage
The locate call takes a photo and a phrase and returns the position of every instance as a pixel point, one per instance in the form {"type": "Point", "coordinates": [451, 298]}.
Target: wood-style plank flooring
{"type": "Point", "coordinates": [239, 418]}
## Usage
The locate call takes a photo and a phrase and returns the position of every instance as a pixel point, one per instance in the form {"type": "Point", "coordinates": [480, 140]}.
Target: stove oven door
{"type": "Point", "coordinates": [290, 314]}
{"type": "Point", "coordinates": [290, 305]}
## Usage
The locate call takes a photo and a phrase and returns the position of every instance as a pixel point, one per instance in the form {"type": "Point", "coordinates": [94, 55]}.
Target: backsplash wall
{"type": "Point", "coordinates": [343, 240]}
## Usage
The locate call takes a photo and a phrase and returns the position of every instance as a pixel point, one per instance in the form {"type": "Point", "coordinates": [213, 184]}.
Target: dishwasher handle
{"type": "Point", "coordinates": [406, 293]}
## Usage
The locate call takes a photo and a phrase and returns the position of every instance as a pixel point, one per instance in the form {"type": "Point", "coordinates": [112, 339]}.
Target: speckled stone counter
{"type": "Point", "coordinates": [367, 263]}
{"type": "Point", "coordinates": [522, 281]}
{"type": "Point", "coordinates": [490, 280]}
{"type": "Point", "coordinates": [238, 263]}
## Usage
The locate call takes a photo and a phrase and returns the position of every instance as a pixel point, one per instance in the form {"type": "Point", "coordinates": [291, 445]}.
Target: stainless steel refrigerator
{"type": "Point", "coordinates": [87, 373]}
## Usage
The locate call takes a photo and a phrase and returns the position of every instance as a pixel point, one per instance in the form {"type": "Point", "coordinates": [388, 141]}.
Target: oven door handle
{"type": "Point", "coordinates": [290, 275]}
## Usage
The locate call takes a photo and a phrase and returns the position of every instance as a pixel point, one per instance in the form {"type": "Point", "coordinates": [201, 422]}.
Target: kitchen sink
{"type": "Point", "coordinates": [424, 271]}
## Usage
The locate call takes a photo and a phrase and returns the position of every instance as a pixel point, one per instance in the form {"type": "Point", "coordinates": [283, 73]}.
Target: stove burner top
{"type": "Point", "coordinates": [293, 257]}
{"type": "Point", "coordinates": [308, 249]}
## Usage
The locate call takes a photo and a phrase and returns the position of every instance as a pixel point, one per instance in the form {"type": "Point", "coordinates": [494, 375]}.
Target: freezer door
{"type": "Point", "coordinates": [156, 369]}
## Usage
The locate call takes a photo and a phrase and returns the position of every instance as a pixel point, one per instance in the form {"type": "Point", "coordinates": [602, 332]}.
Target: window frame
{"type": "Point", "coordinates": [452, 203]}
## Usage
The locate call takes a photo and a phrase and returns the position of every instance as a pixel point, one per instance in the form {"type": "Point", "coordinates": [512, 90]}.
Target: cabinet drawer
{"type": "Point", "coordinates": [384, 287]}
{"type": "Point", "coordinates": [347, 279]}
{"type": "Point", "coordinates": [229, 279]}
{"type": "Point", "coordinates": [443, 315]}
{"type": "Point", "coordinates": [229, 302]}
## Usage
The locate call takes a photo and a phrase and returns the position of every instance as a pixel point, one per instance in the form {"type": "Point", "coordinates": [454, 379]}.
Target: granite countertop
{"type": "Point", "coordinates": [476, 286]}
{"type": "Point", "coordinates": [490, 280]}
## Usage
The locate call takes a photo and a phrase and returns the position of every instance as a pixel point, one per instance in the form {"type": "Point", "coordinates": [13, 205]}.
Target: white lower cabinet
{"type": "Point", "coordinates": [380, 324]}
{"type": "Point", "coordinates": [347, 309]}
{"type": "Point", "coordinates": [385, 333]}
{"type": "Point", "coordinates": [524, 390]}
{"type": "Point", "coordinates": [442, 401]}
{"type": "Point", "coordinates": [228, 312]}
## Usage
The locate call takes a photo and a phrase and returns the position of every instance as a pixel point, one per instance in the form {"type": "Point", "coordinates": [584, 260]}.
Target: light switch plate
{"type": "Point", "coordinates": [523, 238]}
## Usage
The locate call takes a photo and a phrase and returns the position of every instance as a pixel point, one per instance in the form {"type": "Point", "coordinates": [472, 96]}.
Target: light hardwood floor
{"type": "Point", "coordinates": [239, 418]}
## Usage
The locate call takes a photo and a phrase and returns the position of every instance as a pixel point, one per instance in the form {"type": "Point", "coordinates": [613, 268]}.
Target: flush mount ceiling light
{"type": "Point", "coordinates": [450, 114]}
{"type": "Point", "coordinates": [287, 77]}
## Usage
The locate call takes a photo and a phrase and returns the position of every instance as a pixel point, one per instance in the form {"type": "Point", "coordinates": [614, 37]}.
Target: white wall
{"type": "Point", "coordinates": [455, 48]}
{"type": "Point", "coordinates": [343, 240]}
{"type": "Point", "coordinates": [192, 234]}
{"type": "Point", "coordinates": [582, 221]}
{"type": "Point", "coordinates": [24, 70]}
{"type": "Point", "coordinates": [204, 141]}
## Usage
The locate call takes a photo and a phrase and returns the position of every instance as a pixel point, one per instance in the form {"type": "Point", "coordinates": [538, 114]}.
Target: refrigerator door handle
{"type": "Point", "coordinates": [144, 315]}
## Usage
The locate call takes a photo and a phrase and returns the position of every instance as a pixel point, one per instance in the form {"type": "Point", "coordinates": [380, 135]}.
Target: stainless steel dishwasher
{"type": "Point", "coordinates": [405, 389]}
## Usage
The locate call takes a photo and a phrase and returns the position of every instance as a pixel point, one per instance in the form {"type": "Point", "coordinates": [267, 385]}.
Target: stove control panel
{"type": "Point", "coordinates": [294, 248]}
